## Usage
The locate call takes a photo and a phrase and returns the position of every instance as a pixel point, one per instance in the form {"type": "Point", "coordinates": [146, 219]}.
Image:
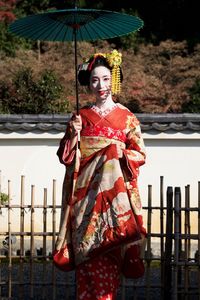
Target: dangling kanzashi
{"type": "Point", "coordinates": [115, 59]}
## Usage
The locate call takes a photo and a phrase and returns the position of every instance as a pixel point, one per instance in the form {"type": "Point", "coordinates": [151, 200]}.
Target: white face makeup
{"type": "Point", "coordinates": [100, 83]}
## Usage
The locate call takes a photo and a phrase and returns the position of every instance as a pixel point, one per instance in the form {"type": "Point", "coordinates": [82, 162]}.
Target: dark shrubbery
{"type": "Point", "coordinates": [27, 94]}
{"type": "Point", "coordinates": [193, 105]}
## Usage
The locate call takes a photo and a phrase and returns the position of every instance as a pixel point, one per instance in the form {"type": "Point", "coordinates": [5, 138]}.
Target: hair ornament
{"type": "Point", "coordinates": [93, 58]}
{"type": "Point", "coordinates": [83, 67]}
{"type": "Point", "coordinates": [114, 60]}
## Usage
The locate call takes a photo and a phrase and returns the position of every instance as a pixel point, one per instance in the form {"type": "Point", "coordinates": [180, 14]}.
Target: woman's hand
{"type": "Point", "coordinates": [75, 125]}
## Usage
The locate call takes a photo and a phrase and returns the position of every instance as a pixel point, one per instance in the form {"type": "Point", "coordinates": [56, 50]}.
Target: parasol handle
{"type": "Point", "coordinates": [76, 71]}
{"type": "Point", "coordinates": [75, 3]}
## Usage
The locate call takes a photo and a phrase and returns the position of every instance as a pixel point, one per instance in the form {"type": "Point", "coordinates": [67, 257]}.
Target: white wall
{"type": "Point", "coordinates": [175, 156]}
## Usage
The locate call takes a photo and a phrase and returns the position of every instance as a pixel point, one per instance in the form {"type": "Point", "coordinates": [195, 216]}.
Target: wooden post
{"type": "Point", "coordinates": [199, 234]}
{"type": "Point", "coordinates": [162, 235]}
{"type": "Point", "coordinates": [180, 247]}
{"type": "Point", "coordinates": [9, 244]}
{"type": "Point", "coordinates": [54, 235]}
{"type": "Point", "coordinates": [0, 258]}
{"type": "Point", "coordinates": [187, 237]}
{"type": "Point", "coordinates": [177, 232]}
{"type": "Point", "coordinates": [21, 267]}
{"type": "Point", "coordinates": [32, 240]}
{"type": "Point", "coordinates": [44, 248]}
{"type": "Point", "coordinates": [0, 181]}
{"type": "Point", "coordinates": [148, 257]}
{"type": "Point", "coordinates": [168, 246]}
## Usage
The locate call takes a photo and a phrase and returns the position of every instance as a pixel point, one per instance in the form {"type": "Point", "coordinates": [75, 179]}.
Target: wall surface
{"type": "Point", "coordinates": [174, 155]}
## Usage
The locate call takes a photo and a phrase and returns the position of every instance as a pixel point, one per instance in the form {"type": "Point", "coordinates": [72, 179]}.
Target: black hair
{"type": "Point", "coordinates": [84, 75]}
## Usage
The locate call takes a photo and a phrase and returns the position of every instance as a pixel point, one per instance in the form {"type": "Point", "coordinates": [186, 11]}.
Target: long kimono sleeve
{"type": "Point", "coordinates": [134, 157]}
{"type": "Point", "coordinates": [135, 151]}
{"type": "Point", "coordinates": [65, 153]}
{"type": "Point", "coordinates": [67, 156]}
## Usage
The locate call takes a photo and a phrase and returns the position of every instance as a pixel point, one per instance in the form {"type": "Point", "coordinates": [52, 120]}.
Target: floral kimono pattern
{"type": "Point", "coordinates": [105, 206]}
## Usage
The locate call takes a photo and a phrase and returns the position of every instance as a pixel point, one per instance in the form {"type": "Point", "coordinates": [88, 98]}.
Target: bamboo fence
{"type": "Point", "coordinates": [171, 274]}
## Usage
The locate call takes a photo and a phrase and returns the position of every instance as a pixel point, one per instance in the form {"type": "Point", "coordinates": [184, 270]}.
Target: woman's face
{"type": "Point", "coordinates": [100, 82]}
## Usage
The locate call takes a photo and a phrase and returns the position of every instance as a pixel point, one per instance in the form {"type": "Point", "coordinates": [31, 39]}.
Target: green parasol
{"type": "Point", "coordinates": [75, 25]}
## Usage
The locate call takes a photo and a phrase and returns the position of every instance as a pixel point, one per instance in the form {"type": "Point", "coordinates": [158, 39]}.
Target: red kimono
{"type": "Point", "coordinates": [102, 197]}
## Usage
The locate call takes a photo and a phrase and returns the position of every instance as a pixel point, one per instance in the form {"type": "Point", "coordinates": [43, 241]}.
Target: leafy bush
{"type": "Point", "coordinates": [193, 106]}
{"type": "Point", "coordinates": [10, 43]}
{"type": "Point", "coordinates": [131, 40]}
{"type": "Point", "coordinates": [31, 96]}
{"type": "Point", "coordinates": [3, 198]}
{"type": "Point", "coordinates": [7, 45]}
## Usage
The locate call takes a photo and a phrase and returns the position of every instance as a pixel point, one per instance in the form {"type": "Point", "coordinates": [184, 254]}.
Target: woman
{"type": "Point", "coordinates": [101, 203]}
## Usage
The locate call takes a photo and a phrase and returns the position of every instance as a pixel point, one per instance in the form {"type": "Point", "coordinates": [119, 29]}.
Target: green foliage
{"type": "Point", "coordinates": [134, 106]}
{"type": "Point", "coordinates": [3, 198]}
{"type": "Point", "coordinates": [31, 96]}
{"type": "Point", "coordinates": [4, 97]}
{"type": "Point", "coordinates": [193, 106]}
{"type": "Point", "coordinates": [7, 44]}
{"type": "Point", "coordinates": [29, 7]}
{"type": "Point", "coordinates": [10, 43]}
{"type": "Point", "coordinates": [65, 4]}
{"type": "Point", "coordinates": [130, 41]}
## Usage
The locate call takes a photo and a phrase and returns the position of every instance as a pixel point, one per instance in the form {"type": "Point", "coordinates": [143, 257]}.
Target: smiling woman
{"type": "Point", "coordinates": [101, 229]}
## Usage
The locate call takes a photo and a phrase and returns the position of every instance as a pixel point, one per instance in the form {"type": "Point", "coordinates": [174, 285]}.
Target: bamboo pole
{"type": "Point", "coordinates": [199, 235]}
{"type": "Point", "coordinates": [187, 234]}
{"type": "Point", "coordinates": [44, 248]}
{"type": "Point", "coordinates": [9, 243]}
{"type": "Point", "coordinates": [54, 235]}
{"type": "Point", "coordinates": [0, 258]}
{"type": "Point", "coordinates": [21, 268]}
{"type": "Point", "coordinates": [162, 232]}
{"type": "Point", "coordinates": [180, 248]}
{"type": "Point", "coordinates": [177, 201]}
{"type": "Point", "coordinates": [32, 241]}
{"type": "Point", "coordinates": [189, 225]}
{"type": "Point", "coordinates": [0, 181]}
{"type": "Point", "coordinates": [148, 258]}
{"type": "Point", "coordinates": [168, 246]}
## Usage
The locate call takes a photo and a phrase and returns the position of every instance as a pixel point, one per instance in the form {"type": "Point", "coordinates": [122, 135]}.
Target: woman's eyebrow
{"type": "Point", "coordinates": [95, 76]}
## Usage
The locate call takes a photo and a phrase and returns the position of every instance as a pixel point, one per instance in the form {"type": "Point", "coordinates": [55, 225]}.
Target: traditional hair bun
{"type": "Point", "coordinates": [84, 77]}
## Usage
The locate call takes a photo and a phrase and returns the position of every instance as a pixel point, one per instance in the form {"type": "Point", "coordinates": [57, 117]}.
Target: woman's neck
{"type": "Point", "coordinates": [104, 104]}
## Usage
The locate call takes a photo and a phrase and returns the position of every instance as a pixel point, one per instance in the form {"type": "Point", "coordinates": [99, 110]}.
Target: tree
{"type": "Point", "coordinates": [193, 106]}
{"type": "Point", "coordinates": [6, 11]}
{"type": "Point", "coordinates": [27, 94]}
{"type": "Point", "coordinates": [6, 16]}
{"type": "Point", "coordinates": [29, 7]}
